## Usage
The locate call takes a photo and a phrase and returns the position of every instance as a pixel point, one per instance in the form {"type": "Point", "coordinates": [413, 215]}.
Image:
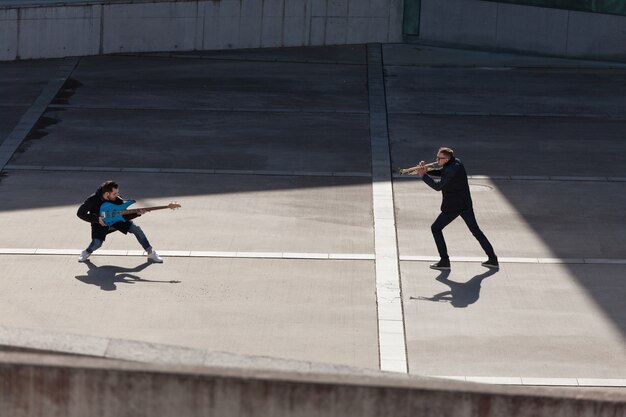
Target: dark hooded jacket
{"type": "Point", "coordinates": [89, 211]}
{"type": "Point", "coordinates": [453, 185]}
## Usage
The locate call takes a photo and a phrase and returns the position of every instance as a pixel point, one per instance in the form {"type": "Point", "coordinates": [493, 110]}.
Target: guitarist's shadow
{"type": "Point", "coordinates": [107, 276]}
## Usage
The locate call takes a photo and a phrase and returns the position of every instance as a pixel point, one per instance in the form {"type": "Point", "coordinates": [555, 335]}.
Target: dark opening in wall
{"type": "Point", "coordinates": [411, 20]}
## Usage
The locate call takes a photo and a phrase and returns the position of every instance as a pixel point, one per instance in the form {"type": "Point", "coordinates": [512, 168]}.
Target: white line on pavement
{"type": "Point", "coordinates": [509, 260]}
{"type": "Point", "coordinates": [305, 255]}
{"type": "Point", "coordinates": [195, 254]}
{"type": "Point", "coordinates": [391, 337]}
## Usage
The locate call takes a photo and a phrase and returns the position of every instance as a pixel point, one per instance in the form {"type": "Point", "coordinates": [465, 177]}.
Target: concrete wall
{"type": "Point", "coordinates": [90, 28]}
{"type": "Point", "coordinates": [524, 28]}
{"type": "Point", "coordinates": [66, 386]}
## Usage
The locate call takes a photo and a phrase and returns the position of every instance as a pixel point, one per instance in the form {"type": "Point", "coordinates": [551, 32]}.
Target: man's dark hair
{"type": "Point", "coordinates": [108, 186]}
{"type": "Point", "coordinates": [446, 151]}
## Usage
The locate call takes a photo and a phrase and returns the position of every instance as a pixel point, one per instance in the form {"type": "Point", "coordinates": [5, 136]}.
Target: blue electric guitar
{"type": "Point", "coordinates": [113, 213]}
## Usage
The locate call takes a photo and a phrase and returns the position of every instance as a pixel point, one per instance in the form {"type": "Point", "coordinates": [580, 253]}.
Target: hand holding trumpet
{"type": "Point", "coordinates": [421, 170]}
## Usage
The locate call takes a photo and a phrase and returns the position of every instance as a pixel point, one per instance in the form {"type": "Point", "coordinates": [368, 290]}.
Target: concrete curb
{"type": "Point", "coordinates": [70, 386]}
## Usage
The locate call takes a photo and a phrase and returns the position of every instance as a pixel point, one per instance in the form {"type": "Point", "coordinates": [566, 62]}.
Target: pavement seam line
{"type": "Point", "coordinates": [36, 110]}
{"type": "Point", "coordinates": [307, 255]}
{"type": "Point", "coordinates": [391, 334]}
{"type": "Point", "coordinates": [612, 116]}
{"type": "Point", "coordinates": [214, 109]}
{"type": "Point", "coordinates": [538, 381]}
{"type": "Point", "coordinates": [293, 173]}
{"type": "Point", "coordinates": [553, 178]}
{"type": "Point", "coordinates": [207, 171]}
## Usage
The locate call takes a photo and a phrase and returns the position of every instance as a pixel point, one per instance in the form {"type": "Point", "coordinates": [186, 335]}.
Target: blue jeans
{"type": "Point", "coordinates": [445, 219]}
{"type": "Point", "coordinates": [134, 229]}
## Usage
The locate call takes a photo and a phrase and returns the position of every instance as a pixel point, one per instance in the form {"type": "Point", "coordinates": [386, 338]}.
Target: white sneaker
{"type": "Point", "coordinates": [154, 257]}
{"type": "Point", "coordinates": [83, 256]}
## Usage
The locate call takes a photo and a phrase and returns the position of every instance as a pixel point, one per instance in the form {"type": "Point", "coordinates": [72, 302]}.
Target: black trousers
{"type": "Point", "coordinates": [445, 219]}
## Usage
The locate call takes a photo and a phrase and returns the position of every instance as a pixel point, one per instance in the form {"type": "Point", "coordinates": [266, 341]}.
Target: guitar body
{"type": "Point", "coordinates": [110, 212]}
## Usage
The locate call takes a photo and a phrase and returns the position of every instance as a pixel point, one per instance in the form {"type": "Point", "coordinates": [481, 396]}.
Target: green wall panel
{"type": "Point", "coordinates": [597, 6]}
{"type": "Point", "coordinates": [411, 19]}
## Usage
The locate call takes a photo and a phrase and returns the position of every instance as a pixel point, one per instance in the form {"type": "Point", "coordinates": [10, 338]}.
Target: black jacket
{"type": "Point", "coordinates": [89, 211]}
{"type": "Point", "coordinates": [453, 185]}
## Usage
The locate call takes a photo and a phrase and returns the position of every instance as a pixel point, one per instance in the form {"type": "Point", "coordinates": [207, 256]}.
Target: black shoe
{"type": "Point", "coordinates": [441, 265]}
{"type": "Point", "coordinates": [491, 263]}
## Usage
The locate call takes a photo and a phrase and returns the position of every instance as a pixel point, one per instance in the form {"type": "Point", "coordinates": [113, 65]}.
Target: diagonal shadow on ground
{"type": "Point", "coordinates": [107, 276]}
{"type": "Point", "coordinates": [461, 294]}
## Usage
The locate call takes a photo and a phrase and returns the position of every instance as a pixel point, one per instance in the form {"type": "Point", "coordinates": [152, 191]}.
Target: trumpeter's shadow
{"type": "Point", "coordinates": [461, 294]}
{"type": "Point", "coordinates": [107, 276]}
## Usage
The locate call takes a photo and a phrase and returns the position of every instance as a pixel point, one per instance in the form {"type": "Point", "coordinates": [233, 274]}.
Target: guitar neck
{"type": "Point", "coordinates": [137, 210]}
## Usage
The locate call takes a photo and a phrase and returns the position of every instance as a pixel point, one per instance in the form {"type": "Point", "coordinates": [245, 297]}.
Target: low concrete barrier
{"type": "Point", "coordinates": [66, 386]}
{"type": "Point", "coordinates": [512, 27]}
{"type": "Point", "coordinates": [49, 29]}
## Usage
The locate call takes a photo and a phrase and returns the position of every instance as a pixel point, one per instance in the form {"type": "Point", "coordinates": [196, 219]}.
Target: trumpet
{"type": "Point", "coordinates": [427, 167]}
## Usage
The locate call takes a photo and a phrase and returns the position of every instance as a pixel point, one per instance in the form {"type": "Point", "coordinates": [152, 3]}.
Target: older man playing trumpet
{"type": "Point", "coordinates": [457, 201]}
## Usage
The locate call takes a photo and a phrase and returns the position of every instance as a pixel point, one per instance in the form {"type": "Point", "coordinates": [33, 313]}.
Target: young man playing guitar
{"type": "Point", "coordinates": [89, 211]}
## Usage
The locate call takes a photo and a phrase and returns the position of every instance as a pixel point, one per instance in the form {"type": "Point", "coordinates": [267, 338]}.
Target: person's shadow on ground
{"type": "Point", "coordinates": [106, 276]}
{"type": "Point", "coordinates": [461, 294]}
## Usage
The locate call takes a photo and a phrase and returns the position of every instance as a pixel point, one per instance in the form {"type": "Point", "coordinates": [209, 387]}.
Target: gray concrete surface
{"type": "Point", "coordinates": [523, 320]}
{"type": "Point", "coordinates": [561, 146]}
{"type": "Point", "coordinates": [20, 87]}
{"type": "Point", "coordinates": [48, 29]}
{"type": "Point", "coordinates": [310, 310]}
{"type": "Point", "coordinates": [518, 218]}
{"type": "Point", "coordinates": [541, 30]}
{"type": "Point", "coordinates": [20, 340]}
{"type": "Point", "coordinates": [426, 55]}
{"type": "Point", "coordinates": [273, 111]}
{"type": "Point", "coordinates": [219, 212]}
{"type": "Point", "coordinates": [125, 389]}
{"type": "Point", "coordinates": [53, 28]}
{"type": "Point", "coordinates": [216, 84]}
{"type": "Point", "coordinates": [506, 91]}
{"type": "Point", "coordinates": [322, 142]}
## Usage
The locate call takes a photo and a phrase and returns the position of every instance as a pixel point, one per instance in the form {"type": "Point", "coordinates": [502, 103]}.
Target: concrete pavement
{"type": "Point", "coordinates": [543, 138]}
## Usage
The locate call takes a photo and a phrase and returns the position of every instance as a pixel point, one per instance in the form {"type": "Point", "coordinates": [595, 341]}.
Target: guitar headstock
{"type": "Point", "coordinates": [173, 206]}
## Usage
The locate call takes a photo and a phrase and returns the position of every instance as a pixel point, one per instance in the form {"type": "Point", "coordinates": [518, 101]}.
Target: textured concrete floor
{"type": "Point", "coordinates": [288, 132]}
